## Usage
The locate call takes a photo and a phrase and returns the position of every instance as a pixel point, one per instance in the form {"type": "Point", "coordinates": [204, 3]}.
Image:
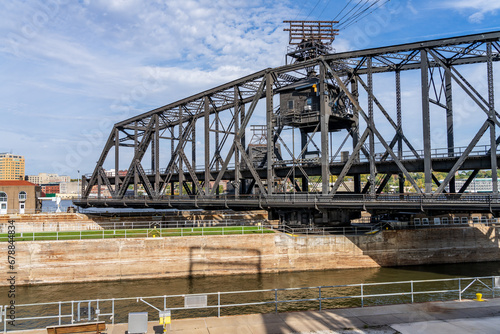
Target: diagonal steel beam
{"type": "Point", "coordinates": [463, 157]}
{"type": "Point", "coordinates": [145, 180]}
{"type": "Point", "coordinates": [138, 155]}
{"type": "Point", "coordinates": [104, 177]}
{"type": "Point", "coordinates": [466, 86]}
{"type": "Point", "coordinates": [389, 118]}
{"type": "Point", "coordinates": [350, 162]}
{"type": "Point", "coordinates": [239, 135]}
{"type": "Point", "coordinates": [93, 179]}
{"type": "Point", "coordinates": [192, 173]}
{"type": "Point", "coordinates": [382, 140]}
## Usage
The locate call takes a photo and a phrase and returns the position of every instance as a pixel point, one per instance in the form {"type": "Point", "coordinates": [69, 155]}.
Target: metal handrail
{"type": "Point", "coordinates": [359, 293]}
{"type": "Point", "coordinates": [142, 233]}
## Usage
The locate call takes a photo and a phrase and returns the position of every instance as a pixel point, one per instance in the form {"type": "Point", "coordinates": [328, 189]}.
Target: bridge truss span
{"type": "Point", "coordinates": [325, 129]}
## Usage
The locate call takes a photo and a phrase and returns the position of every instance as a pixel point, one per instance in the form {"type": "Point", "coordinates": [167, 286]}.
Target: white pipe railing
{"type": "Point", "coordinates": [359, 295]}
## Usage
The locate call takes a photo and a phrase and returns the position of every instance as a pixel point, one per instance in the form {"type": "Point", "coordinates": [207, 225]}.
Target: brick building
{"type": "Point", "coordinates": [51, 188]}
{"type": "Point", "coordinates": [18, 196]}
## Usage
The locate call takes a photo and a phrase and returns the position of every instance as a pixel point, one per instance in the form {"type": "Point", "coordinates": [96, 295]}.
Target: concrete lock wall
{"type": "Point", "coordinates": [100, 260]}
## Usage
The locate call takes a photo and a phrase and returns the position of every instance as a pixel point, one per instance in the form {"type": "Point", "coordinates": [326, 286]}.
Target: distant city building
{"type": "Point", "coordinates": [478, 185]}
{"type": "Point", "coordinates": [69, 188]}
{"type": "Point", "coordinates": [112, 172]}
{"type": "Point", "coordinates": [11, 167]}
{"type": "Point", "coordinates": [50, 188]}
{"type": "Point", "coordinates": [45, 178]}
{"type": "Point", "coordinates": [19, 196]}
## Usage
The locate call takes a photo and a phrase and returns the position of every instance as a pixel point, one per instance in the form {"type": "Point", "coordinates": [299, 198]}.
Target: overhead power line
{"type": "Point", "coordinates": [360, 16]}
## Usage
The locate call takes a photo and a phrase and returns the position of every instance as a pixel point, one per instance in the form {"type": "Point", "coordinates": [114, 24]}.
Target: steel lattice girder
{"type": "Point", "coordinates": [143, 131]}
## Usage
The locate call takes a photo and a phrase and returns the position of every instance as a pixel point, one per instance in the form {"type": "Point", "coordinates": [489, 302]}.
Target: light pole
{"type": "Point", "coordinates": [78, 190]}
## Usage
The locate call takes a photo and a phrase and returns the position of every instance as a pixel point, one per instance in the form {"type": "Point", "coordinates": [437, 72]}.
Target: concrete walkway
{"type": "Point", "coordinates": [434, 317]}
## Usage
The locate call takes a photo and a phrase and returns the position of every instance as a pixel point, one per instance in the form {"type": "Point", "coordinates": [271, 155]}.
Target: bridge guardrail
{"type": "Point", "coordinates": [321, 198]}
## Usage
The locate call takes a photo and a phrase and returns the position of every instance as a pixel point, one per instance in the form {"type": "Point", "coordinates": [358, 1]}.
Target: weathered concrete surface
{"type": "Point", "coordinates": [94, 260]}
{"type": "Point", "coordinates": [453, 317]}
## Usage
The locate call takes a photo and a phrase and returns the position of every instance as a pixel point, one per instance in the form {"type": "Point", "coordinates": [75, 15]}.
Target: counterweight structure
{"type": "Point", "coordinates": [317, 96]}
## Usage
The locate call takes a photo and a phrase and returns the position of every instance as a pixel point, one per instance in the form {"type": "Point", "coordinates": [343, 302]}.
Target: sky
{"type": "Point", "coordinates": [71, 69]}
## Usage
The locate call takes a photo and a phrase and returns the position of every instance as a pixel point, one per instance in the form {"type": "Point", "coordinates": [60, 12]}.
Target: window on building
{"type": "Point", "coordinates": [290, 104]}
{"type": "Point", "coordinates": [416, 221]}
{"type": "Point", "coordinates": [465, 220]}
{"type": "Point", "coordinates": [22, 196]}
{"type": "Point", "coordinates": [456, 220]}
{"type": "Point", "coordinates": [3, 197]}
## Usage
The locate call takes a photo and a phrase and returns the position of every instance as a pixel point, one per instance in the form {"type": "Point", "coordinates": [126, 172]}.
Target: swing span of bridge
{"type": "Point", "coordinates": [316, 94]}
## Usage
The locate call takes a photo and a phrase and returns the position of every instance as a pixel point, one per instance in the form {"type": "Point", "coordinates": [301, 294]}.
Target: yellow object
{"type": "Point", "coordinates": [315, 88]}
{"type": "Point", "coordinates": [479, 297]}
{"type": "Point", "coordinates": [165, 320]}
{"type": "Point", "coordinates": [154, 235]}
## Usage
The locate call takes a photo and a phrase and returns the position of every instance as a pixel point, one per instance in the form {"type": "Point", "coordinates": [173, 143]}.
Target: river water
{"type": "Point", "coordinates": [200, 285]}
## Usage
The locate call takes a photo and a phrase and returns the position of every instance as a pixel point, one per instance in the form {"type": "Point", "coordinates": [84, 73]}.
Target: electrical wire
{"type": "Point", "coordinates": [349, 12]}
{"type": "Point", "coordinates": [362, 9]}
{"type": "Point", "coordinates": [335, 18]}
{"type": "Point", "coordinates": [312, 10]}
{"type": "Point", "coordinates": [323, 10]}
{"type": "Point", "coordinates": [361, 18]}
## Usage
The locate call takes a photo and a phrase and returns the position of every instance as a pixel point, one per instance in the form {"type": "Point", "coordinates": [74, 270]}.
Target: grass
{"type": "Point", "coordinates": [136, 233]}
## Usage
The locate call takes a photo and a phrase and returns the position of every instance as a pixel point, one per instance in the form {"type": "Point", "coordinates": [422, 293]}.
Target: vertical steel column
{"type": "Point", "coordinates": [492, 116]}
{"type": "Point", "coordinates": [371, 125]}
{"type": "Point", "coordinates": [136, 145]}
{"type": "Point", "coordinates": [207, 146]}
{"type": "Point", "coordinates": [303, 143]}
{"type": "Point", "coordinates": [236, 116]}
{"type": "Point", "coordinates": [449, 121]}
{"type": "Point", "coordinates": [426, 120]}
{"type": "Point", "coordinates": [401, 178]}
{"type": "Point", "coordinates": [156, 140]}
{"type": "Point", "coordinates": [172, 149]}
{"type": "Point", "coordinates": [181, 163]}
{"type": "Point", "coordinates": [153, 145]}
{"type": "Point", "coordinates": [324, 118]}
{"type": "Point", "coordinates": [243, 188]}
{"type": "Point", "coordinates": [99, 184]}
{"type": "Point", "coordinates": [355, 131]}
{"type": "Point", "coordinates": [117, 160]}
{"type": "Point", "coordinates": [270, 132]}
{"type": "Point", "coordinates": [217, 148]}
{"type": "Point", "coordinates": [193, 154]}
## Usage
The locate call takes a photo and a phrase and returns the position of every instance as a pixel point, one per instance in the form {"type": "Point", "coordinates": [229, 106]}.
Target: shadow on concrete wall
{"type": "Point", "coordinates": [220, 260]}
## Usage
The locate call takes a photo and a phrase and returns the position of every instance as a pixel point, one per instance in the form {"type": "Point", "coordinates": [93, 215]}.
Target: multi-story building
{"type": "Point", "coordinates": [50, 188]}
{"type": "Point", "coordinates": [18, 196]}
{"type": "Point", "coordinates": [69, 187]}
{"type": "Point", "coordinates": [478, 185]}
{"type": "Point", "coordinates": [11, 167]}
{"type": "Point", "coordinates": [44, 178]}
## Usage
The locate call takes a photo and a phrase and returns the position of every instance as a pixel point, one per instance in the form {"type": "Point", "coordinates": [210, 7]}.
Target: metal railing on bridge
{"type": "Point", "coordinates": [316, 198]}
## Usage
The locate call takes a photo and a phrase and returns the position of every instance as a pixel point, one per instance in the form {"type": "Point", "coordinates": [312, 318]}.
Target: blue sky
{"type": "Point", "coordinates": [71, 69]}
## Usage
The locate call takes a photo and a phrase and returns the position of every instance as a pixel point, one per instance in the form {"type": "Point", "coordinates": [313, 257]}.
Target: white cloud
{"type": "Point", "coordinates": [479, 7]}
{"type": "Point", "coordinates": [80, 62]}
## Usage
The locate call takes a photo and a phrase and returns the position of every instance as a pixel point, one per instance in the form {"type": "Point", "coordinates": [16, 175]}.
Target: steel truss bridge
{"type": "Point", "coordinates": [157, 152]}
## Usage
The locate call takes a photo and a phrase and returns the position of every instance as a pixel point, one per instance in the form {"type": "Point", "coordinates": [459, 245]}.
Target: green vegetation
{"type": "Point", "coordinates": [136, 233]}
